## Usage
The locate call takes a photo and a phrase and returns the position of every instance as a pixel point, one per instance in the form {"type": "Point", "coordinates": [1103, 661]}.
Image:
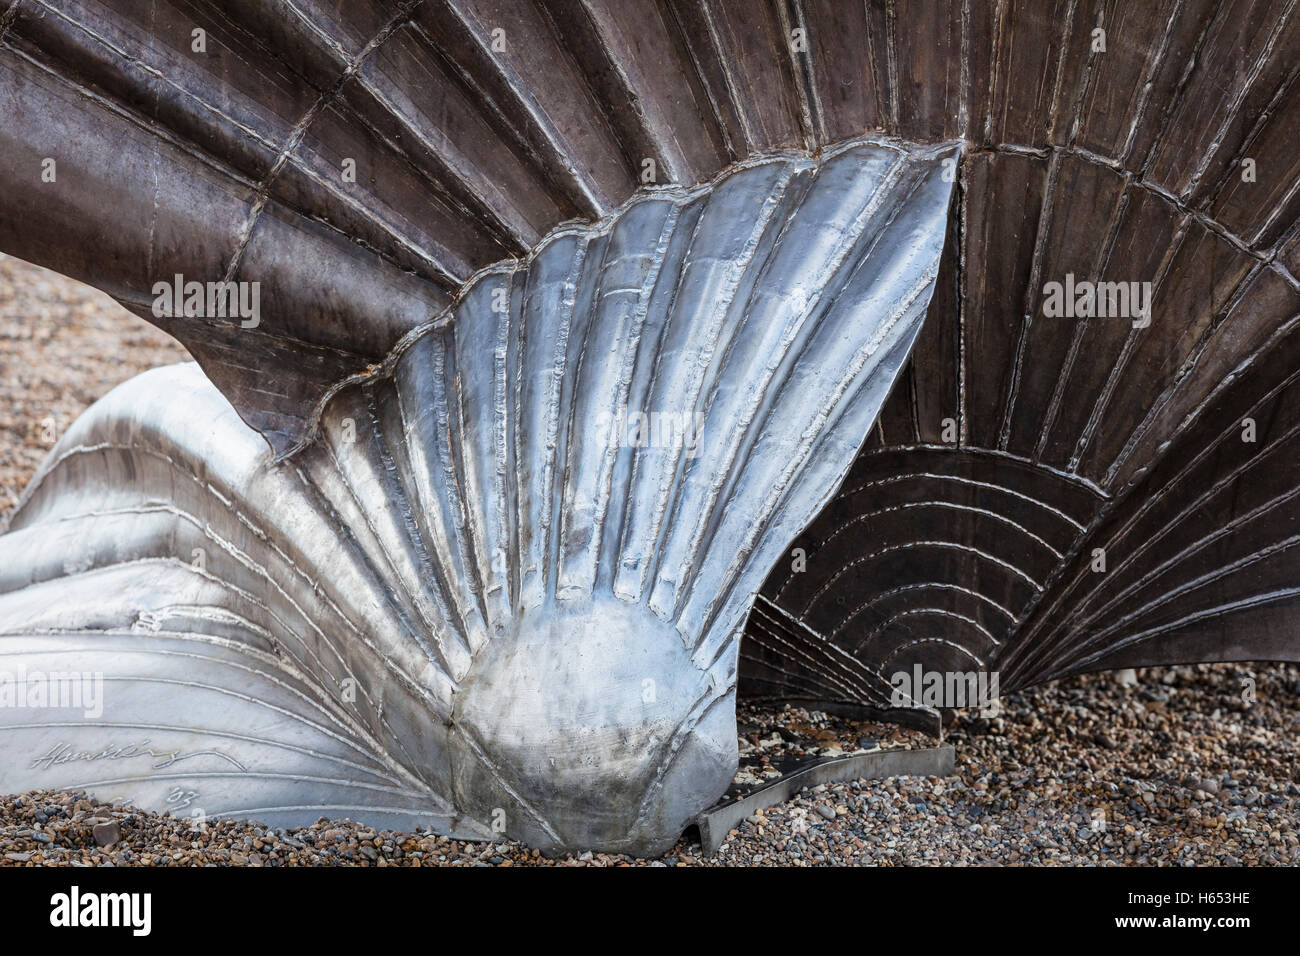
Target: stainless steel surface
{"type": "Point", "coordinates": [716, 822]}
{"type": "Point", "coordinates": [476, 126]}
{"type": "Point", "coordinates": [1015, 446]}
{"type": "Point", "coordinates": [496, 588]}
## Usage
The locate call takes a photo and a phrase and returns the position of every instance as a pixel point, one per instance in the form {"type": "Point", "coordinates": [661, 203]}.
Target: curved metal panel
{"type": "Point", "coordinates": [1046, 490]}
{"type": "Point", "coordinates": [514, 565]}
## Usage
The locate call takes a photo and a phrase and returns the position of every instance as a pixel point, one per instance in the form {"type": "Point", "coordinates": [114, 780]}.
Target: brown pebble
{"type": "Point", "coordinates": [107, 833]}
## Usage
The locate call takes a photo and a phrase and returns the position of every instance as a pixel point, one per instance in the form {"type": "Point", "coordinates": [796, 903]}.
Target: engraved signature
{"type": "Point", "coordinates": [179, 798]}
{"type": "Point", "coordinates": [63, 753]}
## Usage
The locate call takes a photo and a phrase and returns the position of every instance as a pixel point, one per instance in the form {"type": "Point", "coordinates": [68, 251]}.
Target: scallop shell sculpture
{"type": "Point", "coordinates": [406, 548]}
{"type": "Point", "coordinates": [506, 580]}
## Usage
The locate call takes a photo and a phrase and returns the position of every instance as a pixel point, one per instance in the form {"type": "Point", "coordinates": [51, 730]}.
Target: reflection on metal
{"type": "Point", "coordinates": [715, 823]}
{"type": "Point", "coordinates": [507, 580]}
{"type": "Point", "coordinates": [1039, 495]}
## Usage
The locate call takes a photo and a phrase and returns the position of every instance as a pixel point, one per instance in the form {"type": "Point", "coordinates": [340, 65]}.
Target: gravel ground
{"type": "Point", "coordinates": [1165, 766]}
{"type": "Point", "coordinates": [62, 345]}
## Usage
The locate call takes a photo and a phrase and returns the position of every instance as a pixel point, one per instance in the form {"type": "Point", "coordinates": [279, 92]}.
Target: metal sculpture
{"type": "Point", "coordinates": [526, 544]}
{"type": "Point", "coordinates": [1050, 487]}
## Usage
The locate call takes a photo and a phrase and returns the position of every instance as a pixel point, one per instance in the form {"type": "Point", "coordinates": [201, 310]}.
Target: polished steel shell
{"type": "Point", "coordinates": [1039, 496]}
{"type": "Point", "coordinates": [507, 581]}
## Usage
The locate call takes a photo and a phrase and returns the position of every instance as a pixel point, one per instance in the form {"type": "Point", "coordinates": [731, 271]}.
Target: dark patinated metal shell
{"type": "Point", "coordinates": [1053, 485]}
